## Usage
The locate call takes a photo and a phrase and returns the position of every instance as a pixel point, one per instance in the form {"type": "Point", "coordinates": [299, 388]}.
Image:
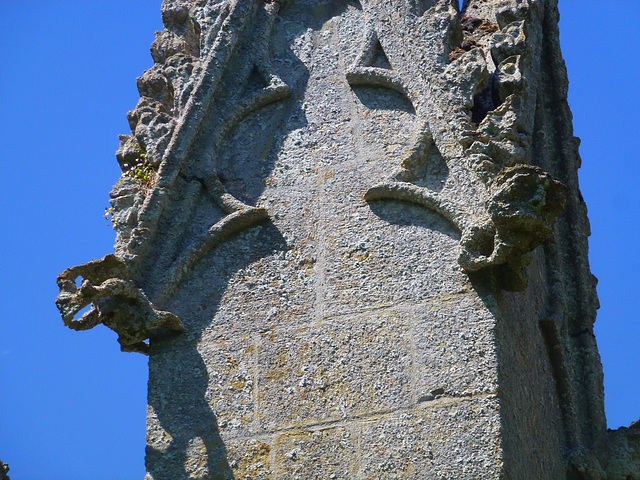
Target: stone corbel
{"type": "Point", "coordinates": [115, 302]}
{"type": "Point", "coordinates": [522, 208]}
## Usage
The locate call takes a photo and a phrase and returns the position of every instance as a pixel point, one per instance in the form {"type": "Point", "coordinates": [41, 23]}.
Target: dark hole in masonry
{"type": "Point", "coordinates": [482, 104]}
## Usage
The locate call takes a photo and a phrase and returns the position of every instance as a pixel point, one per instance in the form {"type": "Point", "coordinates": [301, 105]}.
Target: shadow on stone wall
{"type": "Point", "coordinates": [182, 392]}
{"type": "Point", "coordinates": [183, 438]}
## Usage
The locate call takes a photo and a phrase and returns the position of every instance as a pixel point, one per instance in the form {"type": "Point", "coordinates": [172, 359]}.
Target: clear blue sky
{"type": "Point", "coordinates": [72, 405]}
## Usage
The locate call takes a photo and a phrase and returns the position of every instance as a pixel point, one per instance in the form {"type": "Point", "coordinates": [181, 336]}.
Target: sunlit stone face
{"type": "Point", "coordinates": [331, 311]}
{"type": "Point", "coordinates": [310, 159]}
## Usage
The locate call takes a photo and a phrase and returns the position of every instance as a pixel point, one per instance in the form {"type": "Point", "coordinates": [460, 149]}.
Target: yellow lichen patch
{"type": "Point", "coordinates": [326, 453]}
{"type": "Point", "coordinates": [249, 459]}
{"type": "Point", "coordinates": [238, 383]}
{"type": "Point", "coordinates": [327, 174]}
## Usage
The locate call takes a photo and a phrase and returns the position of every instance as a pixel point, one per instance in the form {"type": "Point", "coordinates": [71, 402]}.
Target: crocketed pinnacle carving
{"type": "Point", "coordinates": [139, 225]}
{"type": "Point", "coordinates": [115, 302]}
{"type": "Point", "coordinates": [503, 207]}
{"type": "Point", "coordinates": [175, 94]}
{"type": "Point", "coordinates": [291, 326]}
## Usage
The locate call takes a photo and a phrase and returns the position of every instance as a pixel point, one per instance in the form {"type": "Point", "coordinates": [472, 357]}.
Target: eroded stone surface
{"type": "Point", "coordinates": [434, 443]}
{"type": "Point", "coordinates": [339, 196]}
{"type": "Point", "coordinates": [454, 348]}
{"type": "Point", "coordinates": [325, 453]}
{"type": "Point", "coordinates": [250, 459]}
{"type": "Point", "coordinates": [107, 287]}
{"type": "Point", "coordinates": [334, 370]}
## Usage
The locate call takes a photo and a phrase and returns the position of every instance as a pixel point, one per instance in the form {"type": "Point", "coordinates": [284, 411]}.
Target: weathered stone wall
{"type": "Point", "coordinates": [353, 237]}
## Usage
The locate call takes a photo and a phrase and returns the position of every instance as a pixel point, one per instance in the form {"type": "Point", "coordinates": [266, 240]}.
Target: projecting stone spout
{"type": "Point", "coordinates": [115, 301]}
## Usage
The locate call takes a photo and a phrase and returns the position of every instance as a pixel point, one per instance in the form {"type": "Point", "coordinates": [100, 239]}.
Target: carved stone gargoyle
{"type": "Point", "coordinates": [115, 301]}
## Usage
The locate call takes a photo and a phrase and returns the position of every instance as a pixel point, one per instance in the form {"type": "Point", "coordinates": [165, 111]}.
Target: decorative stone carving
{"type": "Point", "coordinates": [115, 302]}
{"type": "Point", "coordinates": [342, 198]}
{"type": "Point", "coordinates": [499, 226]}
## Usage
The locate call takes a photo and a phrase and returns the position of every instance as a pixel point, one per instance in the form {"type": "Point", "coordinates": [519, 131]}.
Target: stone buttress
{"type": "Point", "coordinates": [351, 241]}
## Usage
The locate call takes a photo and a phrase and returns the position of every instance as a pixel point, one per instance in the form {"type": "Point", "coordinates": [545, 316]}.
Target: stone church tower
{"type": "Point", "coordinates": [351, 241]}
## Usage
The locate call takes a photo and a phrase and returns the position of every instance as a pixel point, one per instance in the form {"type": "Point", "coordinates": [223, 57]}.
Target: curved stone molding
{"type": "Point", "coordinates": [503, 207]}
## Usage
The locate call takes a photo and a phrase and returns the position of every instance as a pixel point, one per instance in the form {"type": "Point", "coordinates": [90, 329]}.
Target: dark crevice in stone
{"type": "Point", "coordinates": [483, 103]}
{"type": "Point", "coordinates": [256, 81]}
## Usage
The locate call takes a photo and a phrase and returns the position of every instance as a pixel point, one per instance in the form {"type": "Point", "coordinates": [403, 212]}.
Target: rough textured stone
{"type": "Point", "coordinates": [106, 285]}
{"type": "Point", "coordinates": [434, 442]}
{"type": "Point", "coordinates": [330, 452]}
{"type": "Point", "coordinates": [334, 370]}
{"type": "Point", "coordinates": [351, 239]}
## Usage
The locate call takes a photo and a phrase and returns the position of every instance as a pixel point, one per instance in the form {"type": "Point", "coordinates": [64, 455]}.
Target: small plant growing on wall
{"type": "Point", "coordinates": [141, 170]}
{"type": "Point", "coordinates": [108, 215]}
